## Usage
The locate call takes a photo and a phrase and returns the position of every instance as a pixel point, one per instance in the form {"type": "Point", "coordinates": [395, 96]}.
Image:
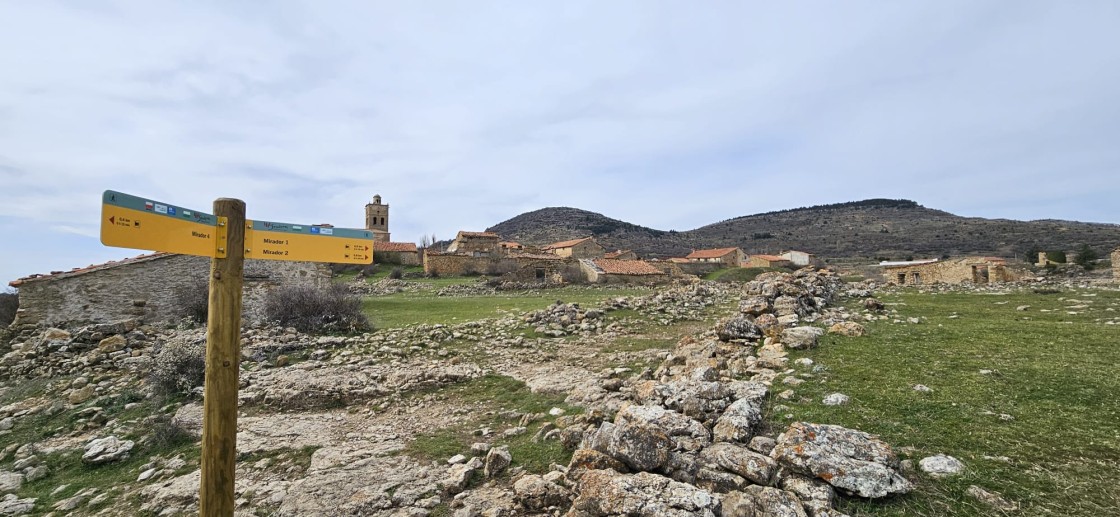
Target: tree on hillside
{"type": "Point", "coordinates": [1085, 257]}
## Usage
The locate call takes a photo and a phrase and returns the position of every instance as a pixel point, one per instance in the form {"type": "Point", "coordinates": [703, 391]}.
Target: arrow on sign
{"type": "Point", "coordinates": [112, 220]}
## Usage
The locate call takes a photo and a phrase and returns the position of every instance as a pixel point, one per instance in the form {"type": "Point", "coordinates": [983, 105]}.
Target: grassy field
{"type": "Point", "coordinates": [403, 309]}
{"type": "Point", "coordinates": [1052, 375]}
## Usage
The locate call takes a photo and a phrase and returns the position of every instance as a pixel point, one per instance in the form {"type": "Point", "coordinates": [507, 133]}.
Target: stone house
{"type": "Point", "coordinates": [459, 264]}
{"type": "Point", "coordinates": [509, 247]}
{"type": "Point", "coordinates": [475, 244]}
{"type": "Point", "coordinates": [768, 261]}
{"type": "Point", "coordinates": [730, 257]}
{"type": "Point", "coordinates": [798, 258]}
{"type": "Point", "coordinates": [977, 270]}
{"type": "Point", "coordinates": [147, 288]}
{"type": "Point", "coordinates": [621, 255]}
{"type": "Point", "coordinates": [403, 253]}
{"type": "Point", "coordinates": [1116, 263]}
{"type": "Point", "coordinates": [576, 248]}
{"type": "Point", "coordinates": [613, 271]}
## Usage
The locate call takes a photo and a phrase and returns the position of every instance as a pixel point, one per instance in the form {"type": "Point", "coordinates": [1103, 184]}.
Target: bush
{"type": "Point", "coordinates": [1085, 257]}
{"type": "Point", "coordinates": [192, 301]}
{"type": "Point", "coordinates": [9, 304]}
{"type": "Point", "coordinates": [316, 309]}
{"type": "Point", "coordinates": [178, 367]}
{"type": "Point", "coordinates": [165, 433]}
{"type": "Point", "coordinates": [396, 274]}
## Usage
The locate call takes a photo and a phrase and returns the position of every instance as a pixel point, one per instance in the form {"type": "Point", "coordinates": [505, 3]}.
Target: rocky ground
{"type": "Point", "coordinates": [327, 424]}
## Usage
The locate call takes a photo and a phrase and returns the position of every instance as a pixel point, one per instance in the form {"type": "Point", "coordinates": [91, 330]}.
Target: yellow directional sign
{"type": "Point", "coordinates": [282, 241]}
{"type": "Point", "coordinates": [133, 222]}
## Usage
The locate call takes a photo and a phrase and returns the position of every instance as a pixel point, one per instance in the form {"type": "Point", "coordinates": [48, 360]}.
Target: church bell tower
{"type": "Point", "coordinates": [377, 219]}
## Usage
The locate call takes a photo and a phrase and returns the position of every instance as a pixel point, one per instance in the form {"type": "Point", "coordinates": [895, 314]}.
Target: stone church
{"type": "Point", "coordinates": [377, 219]}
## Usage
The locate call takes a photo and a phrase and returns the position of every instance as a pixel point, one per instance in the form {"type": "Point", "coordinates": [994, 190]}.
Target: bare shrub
{"type": "Point", "coordinates": [396, 274]}
{"type": "Point", "coordinates": [9, 304]}
{"type": "Point", "coordinates": [178, 367]}
{"type": "Point", "coordinates": [316, 309]}
{"type": "Point", "coordinates": [164, 433]}
{"type": "Point", "coordinates": [192, 301]}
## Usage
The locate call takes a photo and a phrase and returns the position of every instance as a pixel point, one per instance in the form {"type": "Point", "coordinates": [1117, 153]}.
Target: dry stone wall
{"type": "Point", "coordinates": [1116, 263]}
{"type": "Point", "coordinates": [146, 290]}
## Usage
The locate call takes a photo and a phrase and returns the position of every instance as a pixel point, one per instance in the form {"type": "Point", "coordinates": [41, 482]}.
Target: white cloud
{"type": "Point", "coordinates": [462, 115]}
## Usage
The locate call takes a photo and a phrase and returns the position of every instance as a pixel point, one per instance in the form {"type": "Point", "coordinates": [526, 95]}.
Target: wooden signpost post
{"type": "Point", "coordinates": [228, 238]}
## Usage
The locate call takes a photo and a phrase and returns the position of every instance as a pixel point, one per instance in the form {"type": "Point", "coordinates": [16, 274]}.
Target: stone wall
{"type": "Point", "coordinates": [146, 289]}
{"type": "Point", "coordinates": [1116, 263]}
{"type": "Point", "coordinates": [952, 272]}
{"type": "Point", "coordinates": [700, 268]}
{"type": "Point", "coordinates": [450, 264]}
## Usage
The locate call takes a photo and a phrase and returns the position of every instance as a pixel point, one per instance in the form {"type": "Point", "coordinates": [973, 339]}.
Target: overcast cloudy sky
{"type": "Point", "coordinates": [463, 114]}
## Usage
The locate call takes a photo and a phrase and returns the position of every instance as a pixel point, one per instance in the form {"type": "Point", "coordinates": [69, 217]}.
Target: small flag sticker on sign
{"type": "Point", "coordinates": [148, 205]}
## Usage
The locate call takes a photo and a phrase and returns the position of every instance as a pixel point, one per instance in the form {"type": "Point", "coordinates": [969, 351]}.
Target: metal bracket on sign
{"type": "Point", "coordinates": [222, 232]}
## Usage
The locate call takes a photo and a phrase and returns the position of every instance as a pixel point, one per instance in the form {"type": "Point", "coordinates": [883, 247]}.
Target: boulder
{"type": "Point", "coordinates": [775, 502]}
{"type": "Point", "coordinates": [738, 328]}
{"type": "Point", "coordinates": [754, 305]}
{"type": "Point", "coordinates": [81, 395]}
{"type": "Point", "coordinates": [497, 460]}
{"type": "Point", "coordinates": [536, 494]}
{"type": "Point", "coordinates": [107, 450]}
{"type": "Point", "coordinates": [640, 447]}
{"type": "Point", "coordinates": [738, 422]}
{"type": "Point", "coordinates": [10, 482]}
{"type": "Point", "coordinates": [605, 493]}
{"type": "Point", "coordinates": [847, 328]}
{"type": "Point", "coordinates": [739, 460]}
{"type": "Point", "coordinates": [816, 496]}
{"type": "Point", "coordinates": [12, 505]}
{"type": "Point", "coordinates": [112, 344]}
{"type": "Point", "coordinates": [688, 434]}
{"type": "Point", "coordinates": [941, 466]}
{"type": "Point", "coordinates": [801, 338]}
{"type": "Point", "coordinates": [835, 399]}
{"type": "Point", "coordinates": [844, 458]}
{"type": "Point", "coordinates": [590, 459]}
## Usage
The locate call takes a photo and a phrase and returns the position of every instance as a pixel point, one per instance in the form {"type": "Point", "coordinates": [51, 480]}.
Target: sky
{"type": "Point", "coordinates": [671, 115]}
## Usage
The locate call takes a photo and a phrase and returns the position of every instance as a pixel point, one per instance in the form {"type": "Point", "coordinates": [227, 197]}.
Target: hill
{"type": "Point", "coordinates": [869, 229]}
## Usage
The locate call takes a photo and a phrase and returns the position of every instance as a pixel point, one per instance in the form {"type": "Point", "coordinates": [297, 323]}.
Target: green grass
{"type": "Point", "coordinates": [1053, 372]}
{"type": "Point", "coordinates": [403, 309]}
{"type": "Point", "coordinates": [489, 396]}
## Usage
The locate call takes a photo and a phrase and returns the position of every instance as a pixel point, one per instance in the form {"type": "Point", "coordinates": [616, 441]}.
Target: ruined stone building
{"type": "Point", "coordinates": [976, 270]}
{"type": "Point", "coordinates": [730, 257]}
{"type": "Point", "coordinates": [768, 261]}
{"type": "Point", "coordinates": [146, 288]}
{"type": "Point", "coordinates": [615, 271]}
{"type": "Point", "coordinates": [576, 248]}
{"type": "Point", "coordinates": [1116, 263]}
{"type": "Point", "coordinates": [622, 255]}
{"type": "Point", "coordinates": [475, 244]}
{"type": "Point", "coordinates": [403, 253]}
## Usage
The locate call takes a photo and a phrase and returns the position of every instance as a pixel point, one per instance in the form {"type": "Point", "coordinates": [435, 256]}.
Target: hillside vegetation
{"type": "Point", "coordinates": [868, 229]}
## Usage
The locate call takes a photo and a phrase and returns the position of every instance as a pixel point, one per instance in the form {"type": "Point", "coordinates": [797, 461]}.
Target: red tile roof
{"type": "Point", "coordinates": [716, 253]}
{"type": "Point", "coordinates": [564, 244]}
{"type": "Point", "coordinates": [678, 260]}
{"type": "Point", "coordinates": [88, 269]}
{"type": "Point", "coordinates": [407, 247]}
{"type": "Point", "coordinates": [627, 267]}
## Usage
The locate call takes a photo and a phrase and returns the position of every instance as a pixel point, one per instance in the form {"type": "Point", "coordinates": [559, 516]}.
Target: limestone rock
{"type": "Point", "coordinates": [845, 458]}
{"type": "Point", "coordinates": [107, 450]}
{"type": "Point", "coordinates": [640, 447]}
{"type": "Point", "coordinates": [112, 344]}
{"type": "Point", "coordinates": [590, 459]}
{"type": "Point", "coordinates": [751, 465]}
{"type": "Point", "coordinates": [81, 395]}
{"type": "Point", "coordinates": [738, 423]}
{"type": "Point", "coordinates": [189, 419]}
{"type": "Point", "coordinates": [941, 466]}
{"type": "Point", "coordinates": [847, 328]}
{"type": "Point", "coordinates": [754, 305]}
{"type": "Point", "coordinates": [738, 327]}
{"type": "Point", "coordinates": [605, 493]}
{"type": "Point", "coordinates": [534, 493]}
{"type": "Point", "coordinates": [10, 482]}
{"type": "Point", "coordinates": [12, 505]}
{"type": "Point", "coordinates": [688, 434]}
{"type": "Point", "coordinates": [801, 338]}
{"type": "Point", "coordinates": [776, 503]}
{"type": "Point", "coordinates": [835, 399]}
{"type": "Point", "coordinates": [992, 499]}
{"type": "Point", "coordinates": [497, 460]}
{"type": "Point", "coordinates": [762, 444]}
{"type": "Point", "coordinates": [816, 496]}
